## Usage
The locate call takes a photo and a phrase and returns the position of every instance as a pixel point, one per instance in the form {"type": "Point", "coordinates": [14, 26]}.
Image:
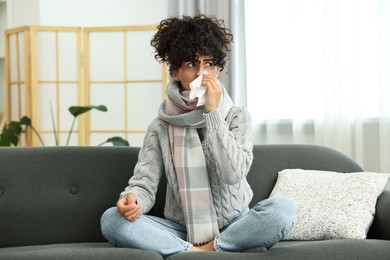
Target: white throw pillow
{"type": "Point", "coordinates": [330, 205]}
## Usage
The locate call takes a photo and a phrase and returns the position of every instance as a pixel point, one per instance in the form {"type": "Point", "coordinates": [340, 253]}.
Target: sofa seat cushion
{"type": "Point", "coordinates": [338, 249]}
{"type": "Point", "coordinates": [94, 251]}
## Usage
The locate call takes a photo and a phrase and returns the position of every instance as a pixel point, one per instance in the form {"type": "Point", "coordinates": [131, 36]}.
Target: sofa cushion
{"type": "Point", "coordinates": [337, 249]}
{"type": "Point", "coordinates": [75, 251]}
{"type": "Point", "coordinates": [330, 204]}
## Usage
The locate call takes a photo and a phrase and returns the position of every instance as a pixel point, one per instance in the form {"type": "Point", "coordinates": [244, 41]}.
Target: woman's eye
{"type": "Point", "coordinates": [191, 65]}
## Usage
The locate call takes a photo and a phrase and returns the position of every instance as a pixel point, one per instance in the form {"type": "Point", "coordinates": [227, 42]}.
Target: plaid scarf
{"type": "Point", "coordinates": [189, 161]}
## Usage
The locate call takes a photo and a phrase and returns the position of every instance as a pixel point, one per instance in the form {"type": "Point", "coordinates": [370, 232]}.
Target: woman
{"type": "Point", "coordinates": [205, 150]}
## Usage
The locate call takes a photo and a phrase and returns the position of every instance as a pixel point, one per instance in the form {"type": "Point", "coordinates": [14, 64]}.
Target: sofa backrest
{"type": "Point", "coordinates": [57, 194]}
{"type": "Point", "coordinates": [268, 160]}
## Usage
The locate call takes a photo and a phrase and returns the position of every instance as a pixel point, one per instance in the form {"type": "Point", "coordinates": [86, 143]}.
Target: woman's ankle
{"type": "Point", "coordinates": [207, 247]}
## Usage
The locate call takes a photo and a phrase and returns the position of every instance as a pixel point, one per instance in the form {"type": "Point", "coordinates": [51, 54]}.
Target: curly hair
{"type": "Point", "coordinates": [182, 40]}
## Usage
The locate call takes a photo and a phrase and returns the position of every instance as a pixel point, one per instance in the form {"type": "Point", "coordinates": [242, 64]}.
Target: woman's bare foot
{"type": "Point", "coordinates": [207, 247]}
{"type": "Point", "coordinates": [196, 249]}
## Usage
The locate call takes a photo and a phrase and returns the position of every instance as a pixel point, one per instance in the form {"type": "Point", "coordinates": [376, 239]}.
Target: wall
{"type": "Point", "coordinates": [86, 12]}
{"type": "Point", "coordinates": [23, 12]}
{"type": "Point", "coordinates": [4, 17]}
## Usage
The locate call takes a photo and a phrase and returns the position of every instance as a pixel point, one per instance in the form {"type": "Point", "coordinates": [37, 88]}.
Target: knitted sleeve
{"type": "Point", "coordinates": [230, 143]}
{"type": "Point", "coordinates": [147, 172]}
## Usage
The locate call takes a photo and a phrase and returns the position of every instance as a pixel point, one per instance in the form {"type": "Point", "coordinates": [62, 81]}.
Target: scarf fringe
{"type": "Point", "coordinates": [202, 243]}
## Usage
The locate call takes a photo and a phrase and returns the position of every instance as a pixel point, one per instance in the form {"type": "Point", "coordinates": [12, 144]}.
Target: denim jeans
{"type": "Point", "coordinates": [263, 225]}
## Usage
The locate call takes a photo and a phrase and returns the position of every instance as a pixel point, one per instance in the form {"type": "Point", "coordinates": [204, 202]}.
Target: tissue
{"type": "Point", "coordinates": [198, 91]}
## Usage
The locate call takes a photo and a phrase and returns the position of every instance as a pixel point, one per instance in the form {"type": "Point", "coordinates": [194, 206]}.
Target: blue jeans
{"type": "Point", "coordinates": [263, 225]}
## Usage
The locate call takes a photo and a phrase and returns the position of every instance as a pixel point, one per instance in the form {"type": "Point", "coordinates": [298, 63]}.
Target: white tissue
{"type": "Point", "coordinates": [198, 91]}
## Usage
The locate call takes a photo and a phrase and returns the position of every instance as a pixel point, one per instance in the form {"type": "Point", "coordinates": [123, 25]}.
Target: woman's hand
{"type": "Point", "coordinates": [128, 207]}
{"type": "Point", "coordinates": [213, 94]}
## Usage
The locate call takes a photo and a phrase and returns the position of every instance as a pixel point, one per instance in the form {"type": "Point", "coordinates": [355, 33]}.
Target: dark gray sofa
{"type": "Point", "coordinates": [51, 200]}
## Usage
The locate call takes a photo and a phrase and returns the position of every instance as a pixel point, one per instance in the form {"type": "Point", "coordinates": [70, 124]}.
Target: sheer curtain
{"type": "Point", "coordinates": [318, 72]}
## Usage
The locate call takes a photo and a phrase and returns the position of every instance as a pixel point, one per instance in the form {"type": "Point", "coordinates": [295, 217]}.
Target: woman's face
{"type": "Point", "coordinates": [190, 71]}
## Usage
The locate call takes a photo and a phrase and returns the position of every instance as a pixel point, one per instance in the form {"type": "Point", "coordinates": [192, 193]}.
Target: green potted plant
{"type": "Point", "coordinates": [11, 132]}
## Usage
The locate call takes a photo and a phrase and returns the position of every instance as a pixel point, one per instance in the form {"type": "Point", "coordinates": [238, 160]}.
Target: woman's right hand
{"type": "Point", "coordinates": [128, 207]}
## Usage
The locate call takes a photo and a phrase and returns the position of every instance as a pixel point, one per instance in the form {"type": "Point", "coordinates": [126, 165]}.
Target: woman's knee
{"type": "Point", "coordinates": [109, 214]}
{"type": "Point", "coordinates": [281, 208]}
{"type": "Point", "coordinates": [286, 211]}
{"type": "Point", "coordinates": [283, 204]}
{"type": "Point", "coordinates": [109, 217]}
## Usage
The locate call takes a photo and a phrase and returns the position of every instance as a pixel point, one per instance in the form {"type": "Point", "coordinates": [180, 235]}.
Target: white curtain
{"type": "Point", "coordinates": [318, 72]}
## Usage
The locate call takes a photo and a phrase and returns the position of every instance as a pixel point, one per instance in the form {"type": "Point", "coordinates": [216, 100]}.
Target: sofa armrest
{"type": "Point", "coordinates": [380, 228]}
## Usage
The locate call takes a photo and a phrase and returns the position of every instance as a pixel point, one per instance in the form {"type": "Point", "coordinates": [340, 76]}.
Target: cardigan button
{"type": "Point", "coordinates": [74, 190]}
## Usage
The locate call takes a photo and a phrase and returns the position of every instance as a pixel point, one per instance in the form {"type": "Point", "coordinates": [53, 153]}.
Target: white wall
{"type": "Point", "coordinates": [22, 12]}
{"type": "Point", "coordinates": [101, 12]}
{"type": "Point", "coordinates": [85, 13]}
{"type": "Point", "coordinates": [3, 27]}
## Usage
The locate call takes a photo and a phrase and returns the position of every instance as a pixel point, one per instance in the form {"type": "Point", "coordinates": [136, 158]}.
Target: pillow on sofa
{"type": "Point", "coordinates": [330, 205]}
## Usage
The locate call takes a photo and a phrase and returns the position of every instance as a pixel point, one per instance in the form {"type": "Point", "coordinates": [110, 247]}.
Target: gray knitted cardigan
{"type": "Point", "coordinates": [227, 146]}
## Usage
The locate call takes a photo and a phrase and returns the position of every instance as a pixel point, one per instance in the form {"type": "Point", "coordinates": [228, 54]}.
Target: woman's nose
{"type": "Point", "coordinates": [200, 70]}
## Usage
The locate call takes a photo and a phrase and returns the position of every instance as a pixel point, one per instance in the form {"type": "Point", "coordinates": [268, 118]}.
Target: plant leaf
{"type": "Point", "coordinates": [11, 134]}
{"type": "Point", "coordinates": [25, 121]}
{"type": "Point", "coordinates": [117, 141]}
{"type": "Point", "coordinates": [78, 110]}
